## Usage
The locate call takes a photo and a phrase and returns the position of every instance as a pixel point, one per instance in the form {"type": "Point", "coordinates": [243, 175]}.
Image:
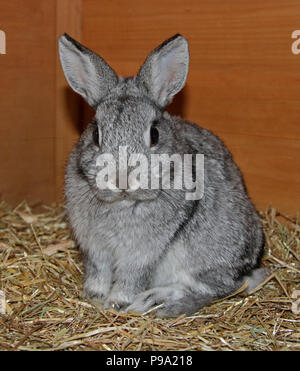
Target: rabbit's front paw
{"type": "Point", "coordinates": [95, 293]}
{"type": "Point", "coordinates": [92, 295]}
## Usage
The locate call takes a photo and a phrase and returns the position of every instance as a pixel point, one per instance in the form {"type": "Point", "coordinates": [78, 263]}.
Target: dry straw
{"type": "Point", "coordinates": [41, 306]}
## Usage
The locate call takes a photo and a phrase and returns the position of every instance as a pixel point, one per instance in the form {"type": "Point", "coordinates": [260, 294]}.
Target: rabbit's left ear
{"type": "Point", "coordinates": [87, 73]}
{"type": "Point", "coordinates": [165, 70]}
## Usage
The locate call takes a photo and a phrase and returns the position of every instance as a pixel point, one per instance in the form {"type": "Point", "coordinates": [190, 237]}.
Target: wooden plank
{"type": "Point", "coordinates": [243, 82]}
{"type": "Point", "coordinates": [267, 178]}
{"type": "Point", "coordinates": [27, 104]}
{"type": "Point", "coordinates": [68, 103]}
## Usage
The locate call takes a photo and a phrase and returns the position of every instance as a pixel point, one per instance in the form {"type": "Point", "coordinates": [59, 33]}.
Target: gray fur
{"type": "Point", "coordinates": [151, 247]}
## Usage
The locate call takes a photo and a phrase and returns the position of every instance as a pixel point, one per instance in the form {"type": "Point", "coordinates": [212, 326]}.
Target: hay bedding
{"type": "Point", "coordinates": [41, 308]}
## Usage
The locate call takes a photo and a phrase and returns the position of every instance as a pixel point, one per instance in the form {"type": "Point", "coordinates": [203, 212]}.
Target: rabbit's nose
{"type": "Point", "coordinates": [121, 180]}
{"type": "Point", "coordinates": [123, 184]}
{"type": "Point", "coordinates": [133, 185]}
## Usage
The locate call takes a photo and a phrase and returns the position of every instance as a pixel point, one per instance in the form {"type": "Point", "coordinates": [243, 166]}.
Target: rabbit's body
{"type": "Point", "coordinates": [154, 247]}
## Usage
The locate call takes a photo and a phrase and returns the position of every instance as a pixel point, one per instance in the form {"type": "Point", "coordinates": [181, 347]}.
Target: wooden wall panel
{"type": "Point", "coordinates": [243, 82]}
{"type": "Point", "coordinates": [39, 113]}
{"type": "Point", "coordinates": [27, 100]}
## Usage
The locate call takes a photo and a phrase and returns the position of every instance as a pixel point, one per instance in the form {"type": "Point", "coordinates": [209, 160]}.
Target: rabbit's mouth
{"type": "Point", "coordinates": [139, 195]}
{"type": "Point", "coordinates": [127, 195]}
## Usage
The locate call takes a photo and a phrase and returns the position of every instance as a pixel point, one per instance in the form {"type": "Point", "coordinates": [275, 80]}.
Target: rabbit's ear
{"type": "Point", "coordinates": [86, 72]}
{"type": "Point", "coordinates": [165, 70]}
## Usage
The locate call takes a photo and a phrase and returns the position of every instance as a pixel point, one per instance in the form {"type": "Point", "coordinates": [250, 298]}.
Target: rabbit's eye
{"type": "Point", "coordinates": [154, 136]}
{"type": "Point", "coordinates": [96, 136]}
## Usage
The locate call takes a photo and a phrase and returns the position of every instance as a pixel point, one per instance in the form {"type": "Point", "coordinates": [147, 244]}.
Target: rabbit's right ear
{"type": "Point", "coordinates": [86, 72]}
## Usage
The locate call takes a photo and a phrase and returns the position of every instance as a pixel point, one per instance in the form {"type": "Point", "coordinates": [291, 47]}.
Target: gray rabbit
{"type": "Point", "coordinates": [146, 248]}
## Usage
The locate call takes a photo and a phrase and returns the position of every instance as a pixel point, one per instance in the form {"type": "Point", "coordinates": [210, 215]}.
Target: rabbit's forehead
{"type": "Point", "coordinates": [126, 111]}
